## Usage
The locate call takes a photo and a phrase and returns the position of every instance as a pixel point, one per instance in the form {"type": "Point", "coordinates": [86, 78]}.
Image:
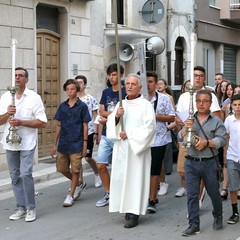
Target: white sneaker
{"type": "Point", "coordinates": [31, 215]}
{"type": "Point", "coordinates": [68, 202]}
{"type": "Point", "coordinates": [163, 188]}
{"type": "Point", "coordinates": [78, 190]}
{"type": "Point", "coordinates": [98, 181]}
{"type": "Point", "coordinates": [20, 213]}
{"type": "Point", "coordinates": [181, 192]}
{"type": "Point", "coordinates": [103, 201]}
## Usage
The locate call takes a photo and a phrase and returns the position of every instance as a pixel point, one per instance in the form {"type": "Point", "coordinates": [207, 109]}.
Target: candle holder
{"type": "Point", "coordinates": [13, 136]}
{"type": "Point", "coordinates": [190, 138]}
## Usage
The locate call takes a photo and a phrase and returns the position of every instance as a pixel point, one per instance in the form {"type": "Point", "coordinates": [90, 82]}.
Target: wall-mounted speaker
{"type": "Point", "coordinates": [126, 52]}
{"type": "Point", "coordinates": [155, 45]}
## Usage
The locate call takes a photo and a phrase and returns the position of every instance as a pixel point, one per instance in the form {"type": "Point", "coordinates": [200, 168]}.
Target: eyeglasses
{"type": "Point", "coordinates": [199, 76]}
{"type": "Point", "coordinates": [19, 75]}
{"type": "Point", "coordinates": [202, 101]}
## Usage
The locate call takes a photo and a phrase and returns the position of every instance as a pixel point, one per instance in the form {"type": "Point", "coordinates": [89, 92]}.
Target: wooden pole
{"type": "Point", "coordinates": [117, 55]}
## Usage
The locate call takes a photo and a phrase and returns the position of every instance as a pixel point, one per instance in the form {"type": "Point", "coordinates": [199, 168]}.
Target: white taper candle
{"type": "Point", "coordinates": [14, 43]}
{"type": "Point", "coordinates": [193, 43]}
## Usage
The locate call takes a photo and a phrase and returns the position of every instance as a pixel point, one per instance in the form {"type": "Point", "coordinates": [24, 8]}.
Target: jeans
{"type": "Point", "coordinates": [20, 164]}
{"type": "Point", "coordinates": [105, 150]}
{"type": "Point", "coordinates": [194, 172]}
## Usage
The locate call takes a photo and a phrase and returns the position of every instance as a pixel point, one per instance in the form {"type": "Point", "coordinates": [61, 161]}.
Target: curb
{"type": "Point", "coordinates": [41, 172]}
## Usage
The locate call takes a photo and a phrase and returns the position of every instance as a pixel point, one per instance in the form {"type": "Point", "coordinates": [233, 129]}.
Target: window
{"type": "Point", "coordinates": [212, 2]}
{"type": "Point", "coordinates": [120, 11]}
{"type": "Point", "coordinates": [47, 18]}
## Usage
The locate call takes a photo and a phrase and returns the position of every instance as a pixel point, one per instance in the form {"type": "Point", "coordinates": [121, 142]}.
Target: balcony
{"type": "Point", "coordinates": [235, 4]}
{"type": "Point", "coordinates": [230, 10]}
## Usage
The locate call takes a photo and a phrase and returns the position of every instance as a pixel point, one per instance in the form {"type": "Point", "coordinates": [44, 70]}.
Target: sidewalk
{"type": "Point", "coordinates": [43, 171]}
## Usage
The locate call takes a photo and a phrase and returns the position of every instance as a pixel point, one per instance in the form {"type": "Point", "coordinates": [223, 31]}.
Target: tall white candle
{"type": "Point", "coordinates": [14, 43]}
{"type": "Point", "coordinates": [193, 43]}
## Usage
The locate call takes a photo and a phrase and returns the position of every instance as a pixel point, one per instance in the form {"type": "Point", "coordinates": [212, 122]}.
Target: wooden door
{"type": "Point", "coordinates": [48, 81]}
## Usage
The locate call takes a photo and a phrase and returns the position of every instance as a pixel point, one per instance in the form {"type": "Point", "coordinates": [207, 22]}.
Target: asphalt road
{"type": "Point", "coordinates": [84, 221]}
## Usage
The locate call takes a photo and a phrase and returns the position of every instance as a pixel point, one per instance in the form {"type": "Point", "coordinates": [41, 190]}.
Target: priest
{"type": "Point", "coordinates": [131, 160]}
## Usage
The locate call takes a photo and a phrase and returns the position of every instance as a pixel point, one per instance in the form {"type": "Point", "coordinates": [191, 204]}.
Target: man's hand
{"type": "Point", "coordinates": [120, 112]}
{"type": "Point", "coordinates": [201, 143]}
{"type": "Point", "coordinates": [189, 123]}
{"type": "Point", "coordinates": [123, 135]}
{"type": "Point", "coordinates": [11, 109]}
{"type": "Point", "coordinates": [15, 122]}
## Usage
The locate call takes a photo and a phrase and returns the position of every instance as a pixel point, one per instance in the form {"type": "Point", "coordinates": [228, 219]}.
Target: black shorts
{"type": "Point", "coordinates": [90, 145]}
{"type": "Point", "coordinates": [157, 154]}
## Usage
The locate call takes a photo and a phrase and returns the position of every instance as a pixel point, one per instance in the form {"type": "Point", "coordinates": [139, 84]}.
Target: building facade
{"type": "Point", "coordinates": [59, 39]}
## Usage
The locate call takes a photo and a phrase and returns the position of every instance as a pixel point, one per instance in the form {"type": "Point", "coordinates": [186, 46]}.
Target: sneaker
{"type": "Point", "coordinates": [218, 223]}
{"type": "Point", "coordinates": [20, 213]}
{"type": "Point", "coordinates": [163, 189]}
{"type": "Point", "coordinates": [202, 198]}
{"type": "Point", "coordinates": [98, 181]}
{"type": "Point", "coordinates": [78, 190]}
{"type": "Point", "coordinates": [31, 215]}
{"type": "Point", "coordinates": [151, 207]}
{"type": "Point", "coordinates": [190, 231]}
{"type": "Point", "coordinates": [233, 219]}
{"type": "Point", "coordinates": [103, 201]}
{"type": "Point", "coordinates": [156, 202]}
{"type": "Point", "coordinates": [181, 192]}
{"type": "Point", "coordinates": [68, 202]}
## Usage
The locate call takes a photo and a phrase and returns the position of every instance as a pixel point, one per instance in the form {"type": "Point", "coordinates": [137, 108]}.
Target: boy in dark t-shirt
{"type": "Point", "coordinates": [109, 99]}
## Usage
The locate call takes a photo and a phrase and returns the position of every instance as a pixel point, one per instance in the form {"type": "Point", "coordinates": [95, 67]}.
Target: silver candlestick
{"type": "Point", "coordinates": [190, 138]}
{"type": "Point", "coordinates": [13, 136]}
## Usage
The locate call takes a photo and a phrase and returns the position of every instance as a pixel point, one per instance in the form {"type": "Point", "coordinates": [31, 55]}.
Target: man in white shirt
{"type": "Point", "coordinates": [29, 114]}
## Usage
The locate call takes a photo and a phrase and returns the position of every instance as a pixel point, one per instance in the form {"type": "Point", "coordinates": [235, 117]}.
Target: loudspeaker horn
{"type": "Point", "coordinates": [155, 45]}
{"type": "Point", "coordinates": [126, 52]}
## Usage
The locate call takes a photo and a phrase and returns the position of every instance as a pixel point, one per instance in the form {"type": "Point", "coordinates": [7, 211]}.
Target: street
{"type": "Point", "coordinates": [84, 221]}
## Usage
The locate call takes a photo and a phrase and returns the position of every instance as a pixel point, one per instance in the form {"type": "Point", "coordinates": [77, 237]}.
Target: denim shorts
{"type": "Point", "coordinates": [233, 175]}
{"type": "Point", "coordinates": [105, 150]}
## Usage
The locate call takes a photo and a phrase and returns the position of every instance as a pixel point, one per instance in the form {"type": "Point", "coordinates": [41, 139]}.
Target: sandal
{"type": "Point", "coordinates": [224, 194]}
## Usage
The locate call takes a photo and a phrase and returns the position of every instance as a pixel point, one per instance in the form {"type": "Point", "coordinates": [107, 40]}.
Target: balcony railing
{"type": "Point", "coordinates": [235, 4]}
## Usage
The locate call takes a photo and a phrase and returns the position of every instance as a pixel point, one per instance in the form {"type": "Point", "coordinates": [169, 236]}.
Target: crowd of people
{"type": "Point", "coordinates": [138, 137]}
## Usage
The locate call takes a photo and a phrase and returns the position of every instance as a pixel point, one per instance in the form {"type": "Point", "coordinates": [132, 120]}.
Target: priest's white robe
{"type": "Point", "coordinates": [131, 160]}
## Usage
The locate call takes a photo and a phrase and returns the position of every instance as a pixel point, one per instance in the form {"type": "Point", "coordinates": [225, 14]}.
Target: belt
{"type": "Point", "coordinates": [198, 159]}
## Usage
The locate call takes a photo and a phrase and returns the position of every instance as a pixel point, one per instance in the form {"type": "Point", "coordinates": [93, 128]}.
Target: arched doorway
{"type": "Point", "coordinates": [48, 71]}
{"type": "Point", "coordinates": [179, 79]}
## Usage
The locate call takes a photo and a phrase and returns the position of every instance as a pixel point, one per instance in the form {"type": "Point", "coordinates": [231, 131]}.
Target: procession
{"type": "Point", "coordinates": [158, 134]}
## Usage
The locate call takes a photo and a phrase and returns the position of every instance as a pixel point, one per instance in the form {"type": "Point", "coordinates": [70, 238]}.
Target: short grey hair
{"type": "Point", "coordinates": [135, 76]}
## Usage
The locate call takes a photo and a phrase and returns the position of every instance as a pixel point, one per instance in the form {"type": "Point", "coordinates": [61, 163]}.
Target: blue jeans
{"type": "Point", "coordinates": [194, 172]}
{"type": "Point", "coordinates": [105, 150]}
{"type": "Point", "coordinates": [20, 165]}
